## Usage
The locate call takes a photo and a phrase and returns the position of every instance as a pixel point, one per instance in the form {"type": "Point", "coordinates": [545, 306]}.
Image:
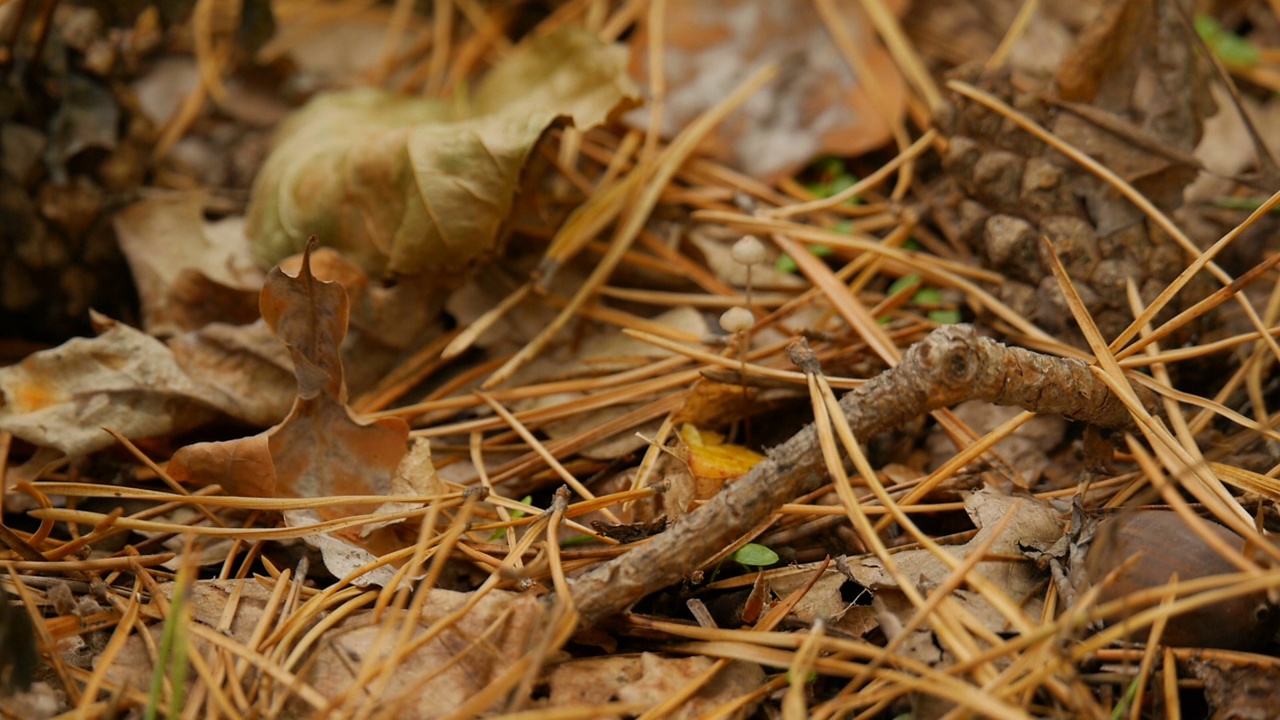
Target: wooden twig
{"type": "Point", "coordinates": [951, 365]}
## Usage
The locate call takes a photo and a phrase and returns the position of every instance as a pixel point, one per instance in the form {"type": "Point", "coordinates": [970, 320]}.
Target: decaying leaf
{"type": "Point", "coordinates": [321, 449]}
{"type": "Point", "coordinates": [344, 553]}
{"type": "Point", "coordinates": [1238, 691]}
{"type": "Point", "coordinates": [609, 350]}
{"type": "Point", "coordinates": [630, 532]}
{"type": "Point", "coordinates": [648, 679]}
{"type": "Point", "coordinates": [337, 54]}
{"type": "Point", "coordinates": [123, 379]}
{"type": "Point", "coordinates": [244, 366]}
{"type": "Point", "coordinates": [1033, 523]}
{"type": "Point", "coordinates": [825, 599]}
{"type": "Point", "coordinates": [189, 272]}
{"type": "Point", "coordinates": [142, 387]}
{"type": "Point", "coordinates": [207, 601]}
{"type": "Point", "coordinates": [717, 403]}
{"type": "Point", "coordinates": [716, 248]}
{"type": "Point", "coordinates": [1027, 449]}
{"type": "Point", "coordinates": [411, 186]}
{"type": "Point", "coordinates": [816, 106]}
{"type": "Point", "coordinates": [442, 672]}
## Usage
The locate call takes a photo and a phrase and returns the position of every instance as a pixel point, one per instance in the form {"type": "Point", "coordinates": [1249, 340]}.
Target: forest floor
{"type": "Point", "coordinates": [463, 358]}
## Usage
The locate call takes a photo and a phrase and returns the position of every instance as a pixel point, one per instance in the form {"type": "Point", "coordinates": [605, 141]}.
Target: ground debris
{"type": "Point", "coordinates": [952, 365]}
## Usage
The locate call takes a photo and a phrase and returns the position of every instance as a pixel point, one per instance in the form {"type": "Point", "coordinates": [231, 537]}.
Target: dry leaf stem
{"type": "Point", "coordinates": [951, 365]}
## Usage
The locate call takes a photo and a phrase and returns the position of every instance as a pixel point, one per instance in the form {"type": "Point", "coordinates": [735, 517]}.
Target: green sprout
{"type": "Point", "coordinates": [1227, 46]}
{"type": "Point", "coordinates": [515, 515]}
{"type": "Point", "coordinates": [833, 179]}
{"type": "Point", "coordinates": [1243, 203]}
{"type": "Point", "coordinates": [923, 296]}
{"type": "Point", "coordinates": [786, 264]}
{"type": "Point", "coordinates": [808, 679]}
{"type": "Point", "coordinates": [754, 555]}
{"type": "Point", "coordinates": [171, 656]}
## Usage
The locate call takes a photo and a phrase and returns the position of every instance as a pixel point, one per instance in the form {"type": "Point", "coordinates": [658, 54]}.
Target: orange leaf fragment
{"type": "Point", "coordinates": [712, 461]}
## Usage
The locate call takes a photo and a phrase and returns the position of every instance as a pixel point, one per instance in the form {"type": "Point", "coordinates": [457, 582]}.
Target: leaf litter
{"type": "Point", "coordinates": [448, 579]}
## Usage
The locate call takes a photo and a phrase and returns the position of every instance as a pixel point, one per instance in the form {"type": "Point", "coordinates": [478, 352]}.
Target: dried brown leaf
{"type": "Point", "coordinates": [648, 679]}
{"type": "Point", "coordinates": [410, 186]}
{"type": "Point", "coordinates": [321, 449]}
{"type": "Point", "coordinates": [1032, 524]}
{"type": "Point", "coordinates": [189, 272]}
{"type": "Point", "coordinates": [125, 379]}
{"type": "Point", "coordinates": [441, 674]}
{"type": "Point", "coordinates": [816, 106]}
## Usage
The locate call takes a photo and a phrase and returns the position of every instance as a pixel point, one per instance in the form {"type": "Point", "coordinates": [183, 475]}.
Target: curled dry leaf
{"type": "Point", "coordinates": [252, 373]}
{"type": "Point", "coordinates": [1033, 524]}
{"type": "Point", "coordinates": [321, 449]}
{"type": "Point", "coordinates": [123, 379]}
{"type": "Point", "coordinates": [411, 186]}
{"type": "Point", "coordinates": [189, 272]}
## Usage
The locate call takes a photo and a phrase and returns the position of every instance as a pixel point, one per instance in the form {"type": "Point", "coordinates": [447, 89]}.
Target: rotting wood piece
{"type": "Point", "coordinates": [953, 364]}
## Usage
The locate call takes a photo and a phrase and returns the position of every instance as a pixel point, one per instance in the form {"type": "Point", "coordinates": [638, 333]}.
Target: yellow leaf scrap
{"type": "Point", "coordinates": [712, 461]}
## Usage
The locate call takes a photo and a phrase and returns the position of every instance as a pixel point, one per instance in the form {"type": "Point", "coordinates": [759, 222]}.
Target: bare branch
{"type": "Point", "coordinates": [951, 365]}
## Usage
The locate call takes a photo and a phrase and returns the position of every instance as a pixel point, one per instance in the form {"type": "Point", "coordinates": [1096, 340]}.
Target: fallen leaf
{"type": "Point", "coordinates": [717, 251]}
{"type": "Point", "coordinates": [715, 403]}
{"type": "Point", "coordinates": [630, 532]}
{"type": "Point", "coordinates": [245, 366]}
{"type": "Point", "coordinates": [816, 106]}
{"type": "Point", "coordinates": [648, 679]}
{"type": "Point", "coordinates": [321, 449]}
{"type": "Point", "coordinates": [825, 599]}
{"type": "Point", "coordinates": [412, 186]}
{"type": "Point", "coordinates": [207, 601]}
{"type": "Point", "coordinates": [87, 117]}
{"type": "Point", "coordinates": [441, 673]}
{"type": "Point", "coordinates": [195, 278]}
{"type": "Point", "coordinates": [189, 272]}
{"type": "Point", "coordinates": [159, 93]}
{"type": "Point", "coordinates": [607, 351]}
{"type": "Point", "coordinates": [335, 47]}
{"type": "Point", "coordinates": [1033, 524]}
{"type": "Point", "coordinates": [1238, 691]}
{"type": "Point", "coordinates": [395, 318]}
{"type": "Point", "coordinates": [1027, 450]}
{"type": "Point", "coordinates": [123, 379]}
{"type": "Point", "coordinates": [712, 461]}
{"type": "Point", "coordinates": [1100, 48]}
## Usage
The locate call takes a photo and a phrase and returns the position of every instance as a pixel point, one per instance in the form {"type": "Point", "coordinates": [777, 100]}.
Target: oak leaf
{"type": "Point", "coordinates": [321, 449]}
